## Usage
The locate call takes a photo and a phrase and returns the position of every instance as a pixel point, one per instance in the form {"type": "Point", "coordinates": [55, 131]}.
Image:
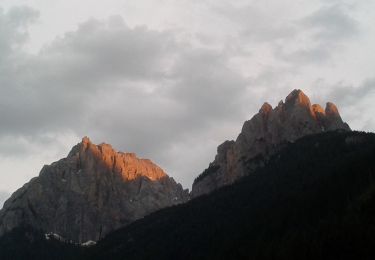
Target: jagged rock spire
{"type": "Point", "coordinates": [331, 110]}
{"type": "Point", "coordinates": [297, 98]}
{"type": "Point", "coordinates": [262, 135]}
{"type": "Point", "coordinates": [266, 108]}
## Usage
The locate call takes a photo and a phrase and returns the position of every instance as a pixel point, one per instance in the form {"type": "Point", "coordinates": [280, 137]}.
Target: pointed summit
{"type": "Point", "coordinates": [80, 147]}
{"type": "Point", "coordinates": [331, 110]}
{"type": "Point", "coordinates": [297, 98]}
{"type": "Point", "coordinates": [317, 109]}
{"type": "Point", "coordinates": [333, 119]}
{"type": "Point", "coordinates": [85, 143]}
{"type": "Point", "coordinates": [265, 109]}
{"type": "Point", "coordinates": [86, 140]}
{"type": "Point", "coordinates": [318, 112]}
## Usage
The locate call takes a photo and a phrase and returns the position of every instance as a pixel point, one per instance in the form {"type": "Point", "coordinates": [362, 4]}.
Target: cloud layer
{"type": "Point", "coordinates": [172, 92]}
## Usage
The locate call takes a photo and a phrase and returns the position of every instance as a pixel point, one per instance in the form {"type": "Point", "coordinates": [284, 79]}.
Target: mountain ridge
{"type": "Point", "coordinates": [263, 135]}
{"type": "Point", "coordinates": [91, 192]}
{"type": "Point", "coordinates": [314, 199]}
{"type": "Point", "coordinates": [297, 183]}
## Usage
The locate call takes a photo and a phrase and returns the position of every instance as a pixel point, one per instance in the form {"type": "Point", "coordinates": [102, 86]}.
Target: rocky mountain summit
{"type": "Point", "coordinates": [93, 191]}
{"type": "Point", "coordinates": [263, 135]}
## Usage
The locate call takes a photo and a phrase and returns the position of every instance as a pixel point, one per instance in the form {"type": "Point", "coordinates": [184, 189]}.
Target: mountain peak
{"type": "Point", "coordinates": [91, 192]}
{"type": "Point", "coordinates": [264, 134]}
{"type": "Point", "coordinates": [331, 109]}
{"type": "Point", "coordinates": [317, 109]}
{"type": "Point", "coordinates": [126, 165]}
{"type": "Point", "coordinates": [85, 140]}
{"type": "Point", "coordinates": [265, 109]}
{"type": "Point", "coordinates": [297, 97]}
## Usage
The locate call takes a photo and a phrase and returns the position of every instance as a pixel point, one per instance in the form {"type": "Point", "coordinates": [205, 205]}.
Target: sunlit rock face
{"type": "Point", "coordinates": [263, 135]}
{"type": "Point", "coordinates": [91, 192]}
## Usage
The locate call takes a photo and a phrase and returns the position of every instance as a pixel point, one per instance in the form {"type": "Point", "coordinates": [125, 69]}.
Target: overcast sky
{"type": "Point", "coordinates": [170, 80]}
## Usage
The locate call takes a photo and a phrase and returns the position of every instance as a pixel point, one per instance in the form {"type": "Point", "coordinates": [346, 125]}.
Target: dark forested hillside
{"type": "Point", "coordinates": [28, 243]}
{"type": "Point", "coordinates": [313, 200]}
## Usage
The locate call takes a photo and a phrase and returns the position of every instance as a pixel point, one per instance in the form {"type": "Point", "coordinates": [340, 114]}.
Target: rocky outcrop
{"type": "Point", "coordinates": [91, 192]}
{"type": "Point", "coordinates": [263, 135]}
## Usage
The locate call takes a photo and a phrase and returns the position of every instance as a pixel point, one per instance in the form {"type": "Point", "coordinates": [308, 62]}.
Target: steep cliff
{"type": "Point", "coordinates": [91, 192]}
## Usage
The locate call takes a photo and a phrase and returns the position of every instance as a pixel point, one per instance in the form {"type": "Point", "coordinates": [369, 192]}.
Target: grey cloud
{"type": "Point", "coordinates": [9, 149]}
{"type": "Point", "coordinates": [309, 37]}
{"type": "Point", "coordinates": [13, 28]}
{"type": "Point", "coordinates": [207, 86]}
{"type": "Point", "coordinates": [332, 22]}
{"type": "Point", "coordinates": [357, 102]}
{"type": "Point", "coordinates": [161, 94]}
{"type": "Point", "coordinates": [26, 145]}
{"type": "Point", "coordinates": [140, 89]}
{"type": "Point", "coordinates": [257, 22]}
{"type": "Point", "coordinates": [326, 30]}
{"type": "Point", "coordinates": [110, 49]}
{"type": "Point", "coordinates": [51, 91]}
{"type": "Point", "coordinates": [307, 55]}
{"type": "Point", "coordinates": [351, 95]}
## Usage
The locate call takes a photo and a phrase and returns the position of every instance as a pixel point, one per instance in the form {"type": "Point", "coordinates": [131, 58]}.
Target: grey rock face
{"type": "Point", "coordinates": [91, 192]}
{"type": "Point", "coordinates": [263, 135]}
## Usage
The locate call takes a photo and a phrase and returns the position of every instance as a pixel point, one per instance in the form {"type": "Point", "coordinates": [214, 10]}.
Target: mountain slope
{"type": "Point", "coordinates": [263, 135]}
{"type": "Point", "coordinates": [93, 191]}
{"type": "Point", "coordinates": [315, 199]}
